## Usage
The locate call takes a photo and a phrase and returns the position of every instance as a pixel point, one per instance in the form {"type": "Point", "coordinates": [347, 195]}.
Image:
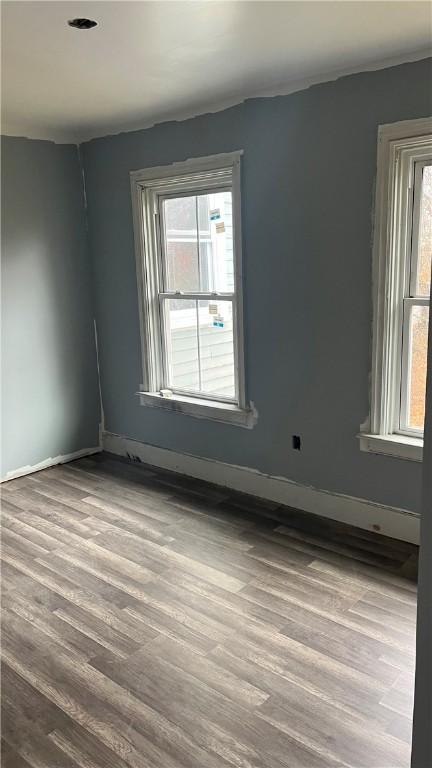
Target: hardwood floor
{"type": "Point", "coordinates": [153, 621]}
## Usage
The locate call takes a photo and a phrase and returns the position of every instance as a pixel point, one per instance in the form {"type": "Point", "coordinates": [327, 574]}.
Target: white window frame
{"type": "Point", "coordinates": [149, 187]}
{"type": "Point", "coordinates": [402, 148]}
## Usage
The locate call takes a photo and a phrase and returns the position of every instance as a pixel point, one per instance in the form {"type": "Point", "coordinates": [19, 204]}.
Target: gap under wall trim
{"type": "Point", "coordinates": [389, 521]}
{"type": "Point", "coordinates": [51, 462]}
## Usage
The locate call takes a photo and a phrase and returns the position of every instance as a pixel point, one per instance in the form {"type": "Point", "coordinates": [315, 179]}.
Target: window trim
{"type": "Point", "coordinates": [147, 185]}
{"type": "Point", "coordinates": [398, 145]}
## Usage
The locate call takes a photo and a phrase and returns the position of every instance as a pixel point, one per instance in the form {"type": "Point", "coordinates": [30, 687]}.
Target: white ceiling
{"type": "Point", "coordinates": [151, 61]}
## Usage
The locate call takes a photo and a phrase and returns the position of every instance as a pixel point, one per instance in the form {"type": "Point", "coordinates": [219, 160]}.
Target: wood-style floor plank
{"type": "Point", "coordinates": [154, 621]}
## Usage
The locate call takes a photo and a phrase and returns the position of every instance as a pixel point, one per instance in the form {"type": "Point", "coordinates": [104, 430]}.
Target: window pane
{"type": "Point", "coordinates": [216, 348]}
{"type": "Point", "coordinates": [200, 358]}
{"type": "Point", "coordinates": [425, 235]}
{"type": "Point", "coordinates": [199, 243]}
{"type": "Point", "coordinates": [216, 242]}
{"type": "Point", "coordinates": [181, 244]}
{"type": "Point", "coordinates": [181, 344]}
{"type": "Point", "coordinates": [418, 366]}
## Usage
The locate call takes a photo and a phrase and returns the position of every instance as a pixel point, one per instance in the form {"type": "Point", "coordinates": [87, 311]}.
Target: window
{"type": "Point", "coordinates": [188, 243]}
{"type": "Point", "coordinates": [402, 285]}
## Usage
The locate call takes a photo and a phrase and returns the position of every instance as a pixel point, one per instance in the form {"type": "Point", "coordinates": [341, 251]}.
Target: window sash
{"type": "Point", "coordinates": [190, 192]}
{"type": "Point", "coordinates": [197, 297]}
{"type": "Point", "coordinates": [415, 222]}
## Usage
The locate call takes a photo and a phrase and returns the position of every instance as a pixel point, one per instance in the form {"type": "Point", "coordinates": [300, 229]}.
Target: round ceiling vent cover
{"type": "Point", "coordinates": [82, 23]}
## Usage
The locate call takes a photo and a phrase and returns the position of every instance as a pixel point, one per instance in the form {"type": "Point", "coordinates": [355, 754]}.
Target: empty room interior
{"type": "Point", "coordinates": [216, 456]}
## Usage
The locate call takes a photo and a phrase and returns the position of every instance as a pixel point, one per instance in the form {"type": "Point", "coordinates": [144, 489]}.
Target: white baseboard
{"type": "Point", "coordinates": [51, 462]}
{"type": "Point", "coordinates": [389, 521]}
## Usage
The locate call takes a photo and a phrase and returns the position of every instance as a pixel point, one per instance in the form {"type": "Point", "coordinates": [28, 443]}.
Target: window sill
{"type": "Point", "coordinates": [202, 409]}
{"type": "Point", "coordinates": [399, 446]}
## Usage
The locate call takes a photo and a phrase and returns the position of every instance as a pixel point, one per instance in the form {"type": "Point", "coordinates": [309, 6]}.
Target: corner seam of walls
{"type": "Point", "coordinates": [86, 220]}
{"type": "Point", "coordinates": [83, 179]}
{"type": "Point", "coordinates": [102, 413]}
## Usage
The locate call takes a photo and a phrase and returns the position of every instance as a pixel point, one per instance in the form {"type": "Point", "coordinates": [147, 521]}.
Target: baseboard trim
{"type": "Point", "coordinates": [389, 521]}
{"type": "Point", "coordinates": [51, 462]}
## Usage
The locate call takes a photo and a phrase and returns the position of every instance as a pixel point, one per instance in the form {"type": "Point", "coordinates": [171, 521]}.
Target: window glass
{"type": "Point", "coordinates": [200, 346]}
{"type": "Point", "coordinates": [216, 348]}
{"type": "Point", "coordinates": [198, 236]}
{"type": "Point", "coordinates": [418, 332]}
{"type": "Point", "coordinates": [181, 244]}
{"type": "Point", "coordinates": [425, 235]}
{"type": "Point", "coordinates": [181, 341]}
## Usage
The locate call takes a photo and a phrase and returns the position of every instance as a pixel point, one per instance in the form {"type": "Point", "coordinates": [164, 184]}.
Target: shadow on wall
{"type": "Point", "coordinates": [50, 401]}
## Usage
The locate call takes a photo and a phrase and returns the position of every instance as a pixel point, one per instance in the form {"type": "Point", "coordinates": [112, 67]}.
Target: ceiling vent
{"type": "Point", "coordinates": [82, 23]}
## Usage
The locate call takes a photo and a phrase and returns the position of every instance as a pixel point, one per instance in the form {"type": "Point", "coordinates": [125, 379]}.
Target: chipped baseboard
{"type": "Point", "coordinates": [389, 521]}
{"type": "Point", "coordinates": [51, 462]}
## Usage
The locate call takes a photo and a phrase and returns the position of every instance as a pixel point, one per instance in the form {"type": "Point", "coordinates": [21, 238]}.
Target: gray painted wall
{"type": "Point", "coordinates": [308, 179]}
{"type": "Point", "coordinates": [50, 400]}
{"type": "Point", "coordinates": [422, 728]}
